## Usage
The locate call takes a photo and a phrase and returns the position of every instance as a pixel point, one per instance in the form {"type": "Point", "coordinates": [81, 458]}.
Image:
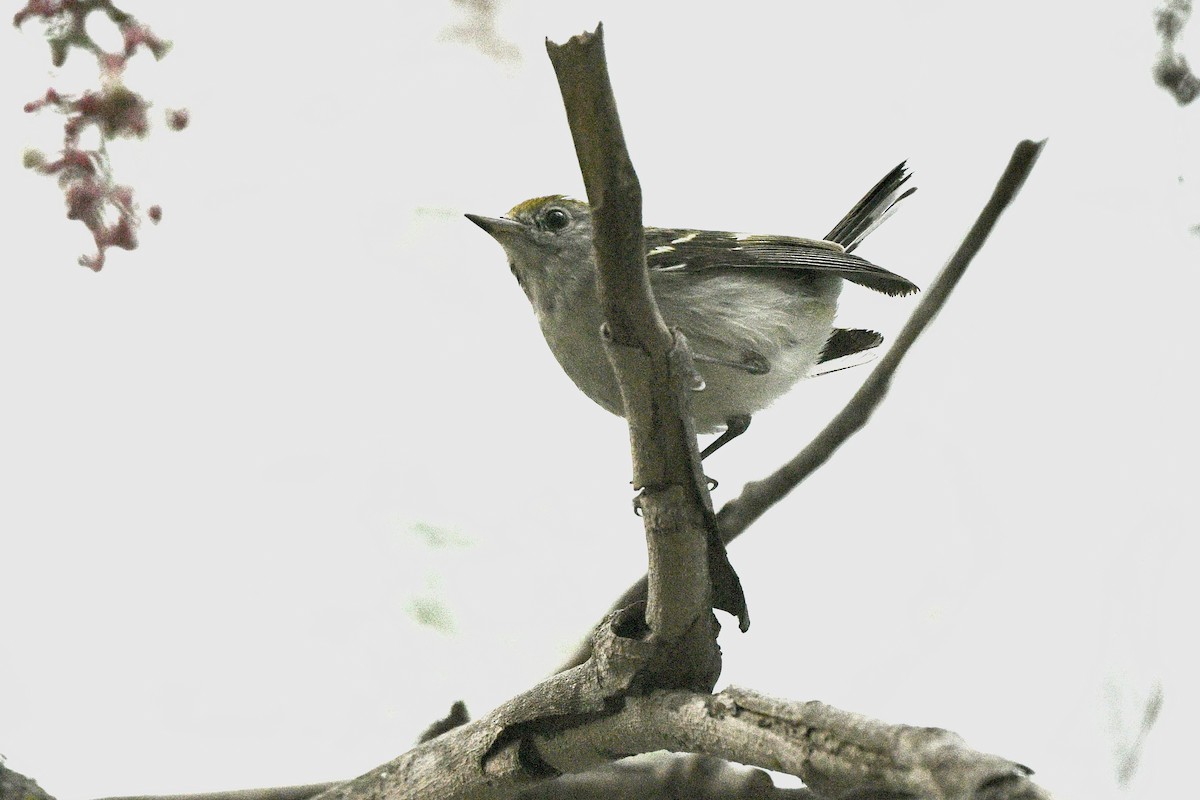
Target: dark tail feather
{"type": "Point", "coordinates": [848, 341]}
{"type": "Point", "coordinates": [873, 209]}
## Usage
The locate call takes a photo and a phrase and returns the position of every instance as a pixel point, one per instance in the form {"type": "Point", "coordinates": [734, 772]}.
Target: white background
{"type": "Point", "coordinates": [242, 464]}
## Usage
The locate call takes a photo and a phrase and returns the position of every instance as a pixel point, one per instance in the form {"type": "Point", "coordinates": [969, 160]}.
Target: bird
{"type": "Point", "coordinates": [757, 310]}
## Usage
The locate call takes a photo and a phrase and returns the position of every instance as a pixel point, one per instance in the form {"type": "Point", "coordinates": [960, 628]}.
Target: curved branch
{"type": "Point", "coordinates": [586, 716]}
{"type": "Point", "coordinates": [758, 496]}
{"type": "Point", "coordinates": [1171, 69]}
{"type": "Point", "coordinates": [275, 793]}
{"type": "Point", "coordinates": [836, 753]}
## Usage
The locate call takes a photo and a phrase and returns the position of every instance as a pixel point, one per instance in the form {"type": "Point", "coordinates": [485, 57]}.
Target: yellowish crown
{"type": "Point", "coordinates": [526, 208]}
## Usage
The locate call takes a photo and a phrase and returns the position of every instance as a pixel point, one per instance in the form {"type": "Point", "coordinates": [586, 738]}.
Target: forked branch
{"type": "Point", "coordinates": [626, 698]}
{"type": "Point", "coordinates": [757, 497]}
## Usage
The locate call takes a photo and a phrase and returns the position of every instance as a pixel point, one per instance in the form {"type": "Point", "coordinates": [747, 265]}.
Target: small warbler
{"type": "Point", "coordinates": [757, 310]}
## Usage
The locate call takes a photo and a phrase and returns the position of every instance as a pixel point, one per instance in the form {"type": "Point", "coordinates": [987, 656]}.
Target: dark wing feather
{"type": "Point", "coordinates": [693, 251]}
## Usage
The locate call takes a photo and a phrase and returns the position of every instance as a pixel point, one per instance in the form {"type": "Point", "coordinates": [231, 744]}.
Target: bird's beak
{"type": "Point", "coordinates": [499, 228]}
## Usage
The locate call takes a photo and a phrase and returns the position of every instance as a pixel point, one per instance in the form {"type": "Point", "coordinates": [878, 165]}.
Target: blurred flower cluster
{"type": "Point", "coordinates": [85, 175]}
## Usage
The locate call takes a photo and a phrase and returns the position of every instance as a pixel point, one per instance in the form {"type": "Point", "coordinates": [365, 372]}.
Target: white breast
{"type": "Point", "coordinates": [724, 316]}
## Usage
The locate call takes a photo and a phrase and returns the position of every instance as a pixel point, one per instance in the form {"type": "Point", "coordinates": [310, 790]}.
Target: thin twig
{"type": "Point", "coordinates": [759, 496]}
{"type": "Point", "coordinates": [1171, 69]}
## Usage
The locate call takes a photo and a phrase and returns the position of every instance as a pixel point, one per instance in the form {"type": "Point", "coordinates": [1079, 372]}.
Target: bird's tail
{"type": "Point", "coordinates": [870, 212]}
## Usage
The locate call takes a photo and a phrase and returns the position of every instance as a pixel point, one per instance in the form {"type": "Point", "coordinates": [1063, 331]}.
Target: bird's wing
{"type": "Point", "coordinates": [670, 249]}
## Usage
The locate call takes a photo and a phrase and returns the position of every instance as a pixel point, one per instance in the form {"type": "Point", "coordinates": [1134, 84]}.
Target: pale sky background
{"type": "Point", "coordinates": [235, 463]}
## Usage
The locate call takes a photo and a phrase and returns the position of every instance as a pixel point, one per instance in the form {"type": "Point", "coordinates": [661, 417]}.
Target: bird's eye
{"type": "Point", "coordinates": [556, 219]}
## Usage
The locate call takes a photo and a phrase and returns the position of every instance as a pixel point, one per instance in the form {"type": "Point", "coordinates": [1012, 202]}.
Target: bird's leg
{"type": "Point", "coordinates": [735, 426]}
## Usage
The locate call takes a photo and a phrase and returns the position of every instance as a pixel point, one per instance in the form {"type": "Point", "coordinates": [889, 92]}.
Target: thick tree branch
{"type": "Point", "coordinates": [654, 370]}
{"type": "Point", "coordinates": [835, 752]}
{"type": "Point", "coordinates": [759, 496]}
{"type": "Point", "coordinates": [638, 692]}
{"type": "Point", "coordinates": [15, 786]}
{"type": "Point", "coordinates": [275, 793]}
{"type": "Point", "coordinates": [660, 445]}
{"type": "Point", "coordinates": [497, 755]}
